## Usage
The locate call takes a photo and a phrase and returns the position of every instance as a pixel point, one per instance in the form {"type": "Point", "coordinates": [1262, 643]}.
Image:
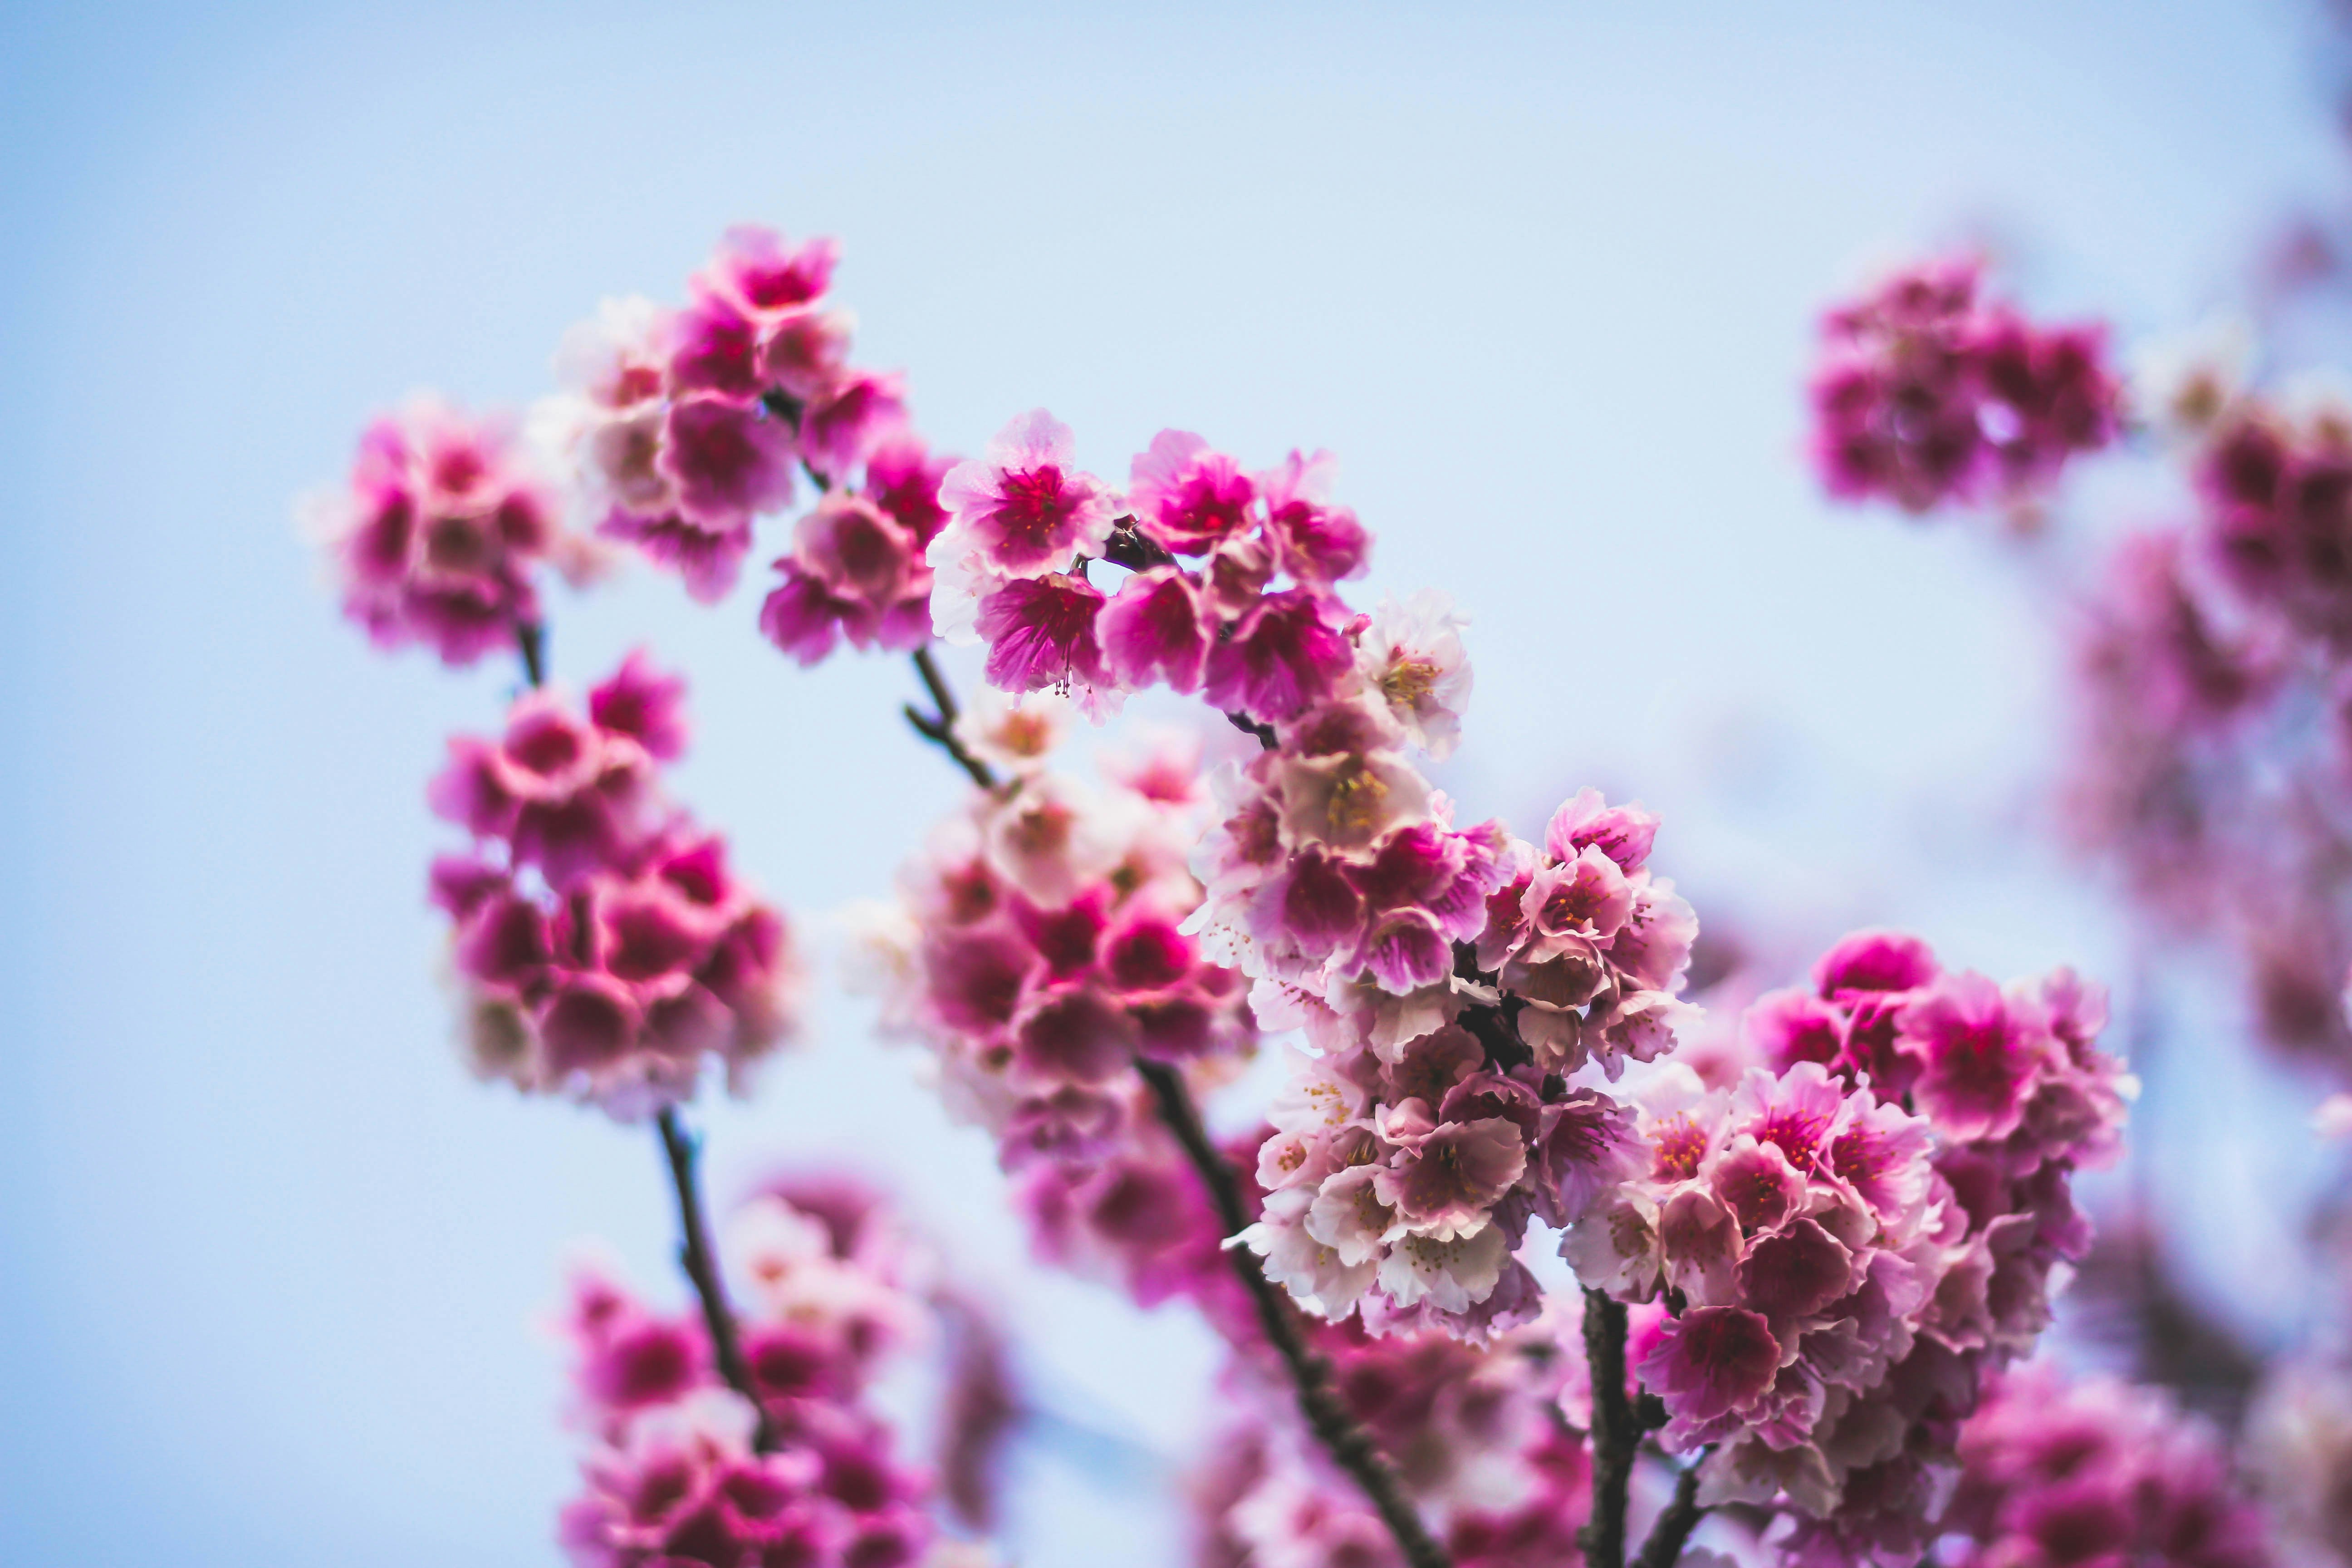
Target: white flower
{"type": "Point", "coordinates": [1412, 656]}
{"type": "Point", "coordinates": [1455, 1275]}
{"type": "Point", "coordinates": [1314, 1273]}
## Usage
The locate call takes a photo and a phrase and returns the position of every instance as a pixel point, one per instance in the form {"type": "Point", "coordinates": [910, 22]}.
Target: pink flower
{"type": "Point", "coordinates": [1875, 960]}
{"type": "Point", "coordinates": [1156, 627]}
{"type": "Point", "coordinates": [1925, 395]}
{"type": "Point", "coordinates": [1022, 508]}
{"type": "Point", "coordinates": [851, 420]}
{"type": "Point", "coordinates": [764, 276]}
{"type": "Point", "coordinates": [438, 534]}
{"type": "Point", "coordinates": [1281, 659]}
{"type": "Point", "coordinates": [1443, 1185]}
{"type": "Point", "coordinates": [1187, 499]}
{"type": "Point", "coordinates": [727, 461]}
{"type": "Point", "coordinates": [903, 477]}
{"type": "Point", "coordinates": [1623, 833]}
{"type": "Point", "coordinates": [632, 955]}
{"type": "Point", "coordinates": [645, 705]}
{"type": "Point", "coordinates": [1585, 897]}
{"type": "Point", "coordinates": [1319, 544]}
{"type": "Point", "coordinates": [1711, 1362]}
{"type": "Point", "coordinates": [1041, 634]}
{"type": "Point", "coordinates": [1980, 1052]}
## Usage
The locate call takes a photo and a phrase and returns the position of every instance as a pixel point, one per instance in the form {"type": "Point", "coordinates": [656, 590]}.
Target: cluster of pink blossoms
{"type": "Point", "coordinates": [685, 424]}
{"type": "Point", "coordinates": [1850, 1238]}
{"type": "Point", "coordinates": [2059, 1474]}
{"type": "Point", "coordinates": [1036, 950]}
{"type": "Point", "coordinates": [604, 946]}
{"type": "Point", "coordinates": [1448, 982]}
{"type": "Point", "coordinates": [2215, 764]}
{"type": "Point", "coordinates": [1928, 394]}
{"type": "Point", "coordinates": [1485, 1441]}
{"type": "Point", "coordinates": [673, 1476]}
{"type": "Point", "coordinates": [437, 535]}
{"type": "Point", "coordinates": [1024, 526]}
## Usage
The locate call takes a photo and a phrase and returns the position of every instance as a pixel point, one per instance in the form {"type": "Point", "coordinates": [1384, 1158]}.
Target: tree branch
{"type": "Point", "coordinates": [939, 726]}
{"type": "Point", "coordinates": [1673, 1528]}
{"type": "Point", "coordinates": [531, 641]}
{"type": "Point", "coordinates": [1310, 1375]}
{"type": "Point", "coordinates": [702, 1268]}
{"type": "Point", "coordinates": [1614, 1434]}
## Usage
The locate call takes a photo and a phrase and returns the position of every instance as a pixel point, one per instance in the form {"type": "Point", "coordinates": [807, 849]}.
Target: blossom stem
{"type": "Point", "coordinates": [1249, 726]}
{"type": "Point", "coordinates": [939, 726]}
{"type": "Point", "coordinates": [1614, 1435]}
{"type": "Point", "coordinates": [1674, 1523]}
{"type": "Point", "coordinates": [531, 641]}
{"type": "Point", "coordinates": [701, 1266]}
{"type": "Point", "coordinates": [1348, 1443]}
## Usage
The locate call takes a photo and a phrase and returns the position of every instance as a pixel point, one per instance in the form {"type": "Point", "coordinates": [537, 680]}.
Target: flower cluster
{"type": "Point", "coordinates": [1432, 1120]}
{"type": "Point", "coordinates": [2058, 1473]}
{"type": "Point", "coordinates": [2299, 1447]}
{"type": "Point", "coordinates": [436, 537]}
{"type": "Point", "coordinates": [673, 1476]}
{"type": "Point", "coordinates": [1928, 394]}
{"type": "Point", "coordinates": [2214, 764]}
{"type": "Point", "coordinates": [1478, 1437]}
{"type": "Point", "coordinates": [685, 424]}
{"type": "Point", "coordinates": [2277, 483]}
{"type": "Point", "coordinates": [1024, 525]}
{"type": "Point", "coordinates": [1859, 1230]}
{"type": "Point", "coordinates": [1036, 950]}
{"type": "Point", "coordinates": [857, 572]}
{"type": "Point", "coordinates": [604, 946]}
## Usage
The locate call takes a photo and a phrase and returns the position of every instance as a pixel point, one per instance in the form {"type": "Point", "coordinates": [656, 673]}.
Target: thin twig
{"type": "Point", "coordinates": [1675, 1522]}
{"type": "Point", "coordinates": [701, 1266]}
{"type": "Point", "coordinates": [1249, 726]}
{"type": "Point", "coordinates": [939, 727]}
{"type": "Point", "coordinates": [1310, 1375]}
{"type": "Point", "coordinates": [531, 641]}
{"type": "Point", "coordinates": [1615, 1436]}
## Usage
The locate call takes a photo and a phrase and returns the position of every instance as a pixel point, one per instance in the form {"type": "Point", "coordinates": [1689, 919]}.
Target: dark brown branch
{"type": "Point", "coordinates": [1249, 726]}
{"type": "Point", "coordinates": [1614, 1435]}
{"type": "Point", "coordinates": [1673, 1528]}
{"type": "Point", "coordinates": [1128, 547]}
{"type": "Point", "coordinates": [702, 1268]}
{"type": "Point", "coordinates": [531, 641]}
{"type": "Point", "coordinates": [1310, 1375]}
{"type": "Point", "coordinates": [939, 726]}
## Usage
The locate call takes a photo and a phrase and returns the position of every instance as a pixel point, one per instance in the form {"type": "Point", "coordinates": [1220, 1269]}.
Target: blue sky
{"type": "Point", "coordinates": [1542, 276]}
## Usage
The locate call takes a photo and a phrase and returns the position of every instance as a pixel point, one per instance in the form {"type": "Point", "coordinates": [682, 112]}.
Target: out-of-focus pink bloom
{"type": "Point", "coordinates": [1928, 395]}
{"type": "Point", "coordinates": [438, 534]}
{"type": "Point", "coordinates": [670, 1477]}
{"type": "Point", "coordinates": [2058, 1473]}
{"type": "Point", "coordinates": [1038, 951]}
{"type": "Point", "coordinates": [604, 947]}
{"type": "Point", "coordinates": [1858, 1250]}
{"type": "Point", "coordinates": [686, 425]}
